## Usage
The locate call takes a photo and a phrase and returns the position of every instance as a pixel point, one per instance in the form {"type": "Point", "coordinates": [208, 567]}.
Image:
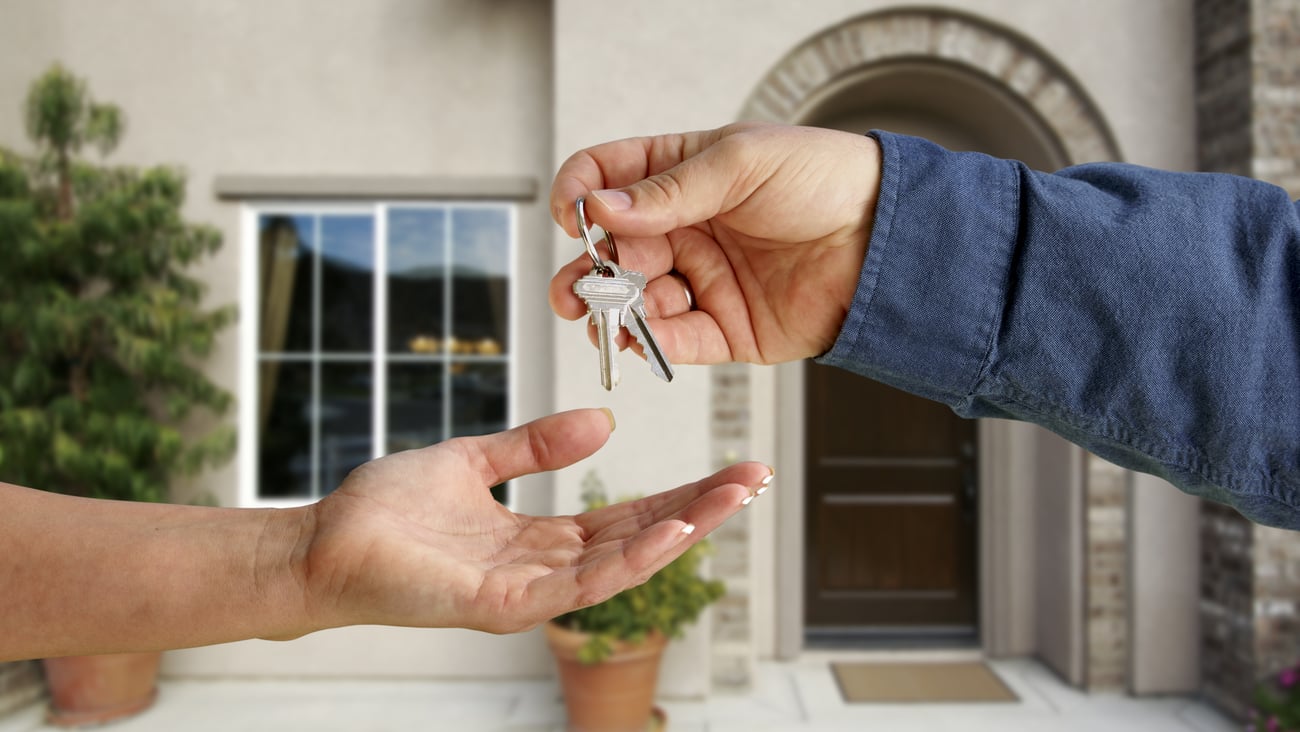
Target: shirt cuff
{"type": "Point", "coordinates": [931, 294]}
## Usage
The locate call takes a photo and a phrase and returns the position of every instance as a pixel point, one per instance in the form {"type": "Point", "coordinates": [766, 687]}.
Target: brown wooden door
{"type": "Point", "coordinates": [891, 510]}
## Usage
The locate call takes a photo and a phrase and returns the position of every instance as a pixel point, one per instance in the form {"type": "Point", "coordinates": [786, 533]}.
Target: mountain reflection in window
{"type": "Point", "coordinates": [438, 369]}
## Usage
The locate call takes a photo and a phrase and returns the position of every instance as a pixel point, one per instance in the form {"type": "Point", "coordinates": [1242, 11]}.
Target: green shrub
{"type": "Point", "coordinates": [670, 600]}
{"type": "Point", "coordinates": [101, 328]}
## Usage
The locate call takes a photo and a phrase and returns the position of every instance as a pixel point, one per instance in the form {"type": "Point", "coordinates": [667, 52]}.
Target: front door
{"type": "Point", "coordinates": [891, 512]}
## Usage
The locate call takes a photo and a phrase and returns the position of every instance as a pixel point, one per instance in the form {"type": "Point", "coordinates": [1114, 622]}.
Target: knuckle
{"type": "Point", "coordinates": [665, 186]}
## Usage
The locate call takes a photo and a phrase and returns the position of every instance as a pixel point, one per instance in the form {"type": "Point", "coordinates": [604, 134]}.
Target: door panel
{"type": "Point", "coordinates": [891, 508]}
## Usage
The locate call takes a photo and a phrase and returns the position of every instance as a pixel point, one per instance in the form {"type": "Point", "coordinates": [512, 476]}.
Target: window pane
{"type": "Point", "coordinates": [478, 398]}
{"type": "Point", "coordinates": [416, 279]}
{"type": "Point", "coordinates": [286, 293]}
{"type": "Point", "coordinates": [284, 459]}
{"type": "Point", "coordinates": [481, 272]}
{"type": "Point", "coordinates": [345, 420]}
{"type": "Point", "coordinates": [347, 283]}
{"type": "Point", "coordinates": [414, 405]}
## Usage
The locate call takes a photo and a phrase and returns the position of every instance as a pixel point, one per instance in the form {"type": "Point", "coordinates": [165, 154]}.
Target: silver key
{"type": "Point", "coordinates": [607, 298]}
{"type": "Point", "coordinates": [634, 321]}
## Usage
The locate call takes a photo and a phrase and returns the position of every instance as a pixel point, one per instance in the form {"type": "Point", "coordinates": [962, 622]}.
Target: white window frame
{"type": "Point", "coordinates": [249, 330]}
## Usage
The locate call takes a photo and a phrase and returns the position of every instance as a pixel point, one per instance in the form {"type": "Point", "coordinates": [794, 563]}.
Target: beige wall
{"type": "Point", "coordinates": [632, 69]}
{"type": "Point", "coordinates": [418, 87]}
{"type": "Point", "coordinates": [401, 87]}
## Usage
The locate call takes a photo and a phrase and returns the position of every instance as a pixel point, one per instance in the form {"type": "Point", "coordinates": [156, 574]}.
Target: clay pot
{"type": "Point", "coordinates": [87, 690]}
{"type": "Point", "coordinates": [615, 695]}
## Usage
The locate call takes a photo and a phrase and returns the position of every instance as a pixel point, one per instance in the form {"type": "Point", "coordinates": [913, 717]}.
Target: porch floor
{"type": "Point", "coordinates": [799, 695]}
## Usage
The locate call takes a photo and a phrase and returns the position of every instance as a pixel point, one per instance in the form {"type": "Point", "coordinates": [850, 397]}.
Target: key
{"type": "Point", "coordinates": [634, 321]}
{"type": "Point", "coordinates": [607, 298]}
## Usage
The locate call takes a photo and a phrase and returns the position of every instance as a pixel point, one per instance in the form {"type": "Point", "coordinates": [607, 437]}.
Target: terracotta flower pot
{"type": "Point", "coordinates": [88, 690]}
{"type": "Point", "coordinates": [615, 695]}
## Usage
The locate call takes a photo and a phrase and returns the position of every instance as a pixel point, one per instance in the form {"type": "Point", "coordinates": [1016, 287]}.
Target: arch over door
{"type": "Point", "coordinates": [891, 497]}
{"type": "Point", "coordinates": [969, 85]}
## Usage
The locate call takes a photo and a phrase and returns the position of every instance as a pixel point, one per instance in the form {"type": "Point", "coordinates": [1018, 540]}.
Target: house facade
{"type": "Point", "coordinates": [380, 172]}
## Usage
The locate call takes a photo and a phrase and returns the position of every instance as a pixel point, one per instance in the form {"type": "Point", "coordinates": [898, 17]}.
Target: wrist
{"type": "Point", "coordinates": [282, 574]}
{"type": "Point", "coordinates": [840, 264]}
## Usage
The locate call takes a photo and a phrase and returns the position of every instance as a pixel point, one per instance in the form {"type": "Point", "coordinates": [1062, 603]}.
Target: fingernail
{"type": "Point", "coordinates": [766, 482]}
{"type": "Point", "coordinates": [746, 500]}
{"type": "Point", "coordinates": [609, 413]}
{"type": "Point", "coordinates": [688, 529]}
{"type": "Point", "coordinates": [613, 200]}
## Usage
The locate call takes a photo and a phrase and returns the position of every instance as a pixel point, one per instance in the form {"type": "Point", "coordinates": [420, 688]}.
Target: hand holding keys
{"type": "Point", "coordinates": [614, 299]}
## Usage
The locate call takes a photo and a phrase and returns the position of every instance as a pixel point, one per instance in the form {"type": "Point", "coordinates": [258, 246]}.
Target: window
{"type": "Point", "coordinates": [378, 328]}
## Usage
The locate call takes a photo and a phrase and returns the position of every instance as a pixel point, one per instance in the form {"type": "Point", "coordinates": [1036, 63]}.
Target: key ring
{"type": "Point", "coordinates": [584, 231]}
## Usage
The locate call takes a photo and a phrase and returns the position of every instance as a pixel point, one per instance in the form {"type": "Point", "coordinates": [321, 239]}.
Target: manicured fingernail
{"type": "Point", "coordinates": [766, 482]}
{"type": "Point", "coordinates": [688, 529]}
{"type": "Point", "coordinates": [613, 200]}
{"type": "Point", "coordinates": [746, 500]}
{"type": "Point", "coordinates": [610, 414]}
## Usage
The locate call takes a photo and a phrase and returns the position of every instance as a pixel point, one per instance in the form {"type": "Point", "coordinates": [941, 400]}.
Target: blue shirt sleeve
{"type": "Point", "coordinates": [1149, 316]}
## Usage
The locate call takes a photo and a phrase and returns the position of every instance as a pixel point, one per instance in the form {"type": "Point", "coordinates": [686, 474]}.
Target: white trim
{"type": "Point", "coordinates": [250, 358]}
{"type": "Point", "coordinates": [313, 487]}
{"type": "Point", "coordinates": [512, 335]}
{"type": "Point", "coordinates": [379, 342]}
{"type": "Point", "coordinates": [448, 253]}
{"type": "Point", "coordinates": [790, 510]}
{"type": "Point", "coordinates": [249, 331]}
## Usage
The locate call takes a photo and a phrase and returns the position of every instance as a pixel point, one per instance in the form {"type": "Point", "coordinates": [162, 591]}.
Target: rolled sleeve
{"type": "Point", "coordinates": [1152, 317]}
{"type": "Point", "coordinates": [933, 284]}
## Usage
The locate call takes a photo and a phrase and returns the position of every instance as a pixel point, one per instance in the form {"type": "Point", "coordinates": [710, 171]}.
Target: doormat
{"type": "Point", "coordinates": [969, 681]}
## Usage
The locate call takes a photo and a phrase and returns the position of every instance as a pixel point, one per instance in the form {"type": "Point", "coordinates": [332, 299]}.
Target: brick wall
{"type": "Point", "coordinates": [1227, 589]}
{"type": "Point", "coordinates": [20, 684]}
{"type": "Point", "coordinates": [903, 35]}
{"type": "Point", "coordinates": [1107, 576]}
{"type": "Point", "coordinates": [1223, 71]}
{"type": "Point", "coordinates": [1275, 97]}
{"type": "Point", "coordinates": [1275, 555]}
{"type": "Point", "coordinates": [733, 643]}
{"type": "Point", "coordinates": [1248, 117]}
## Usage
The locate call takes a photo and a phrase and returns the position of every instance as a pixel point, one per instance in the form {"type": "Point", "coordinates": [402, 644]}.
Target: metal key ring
{"type": "Point", "coordinates": [584, 231]}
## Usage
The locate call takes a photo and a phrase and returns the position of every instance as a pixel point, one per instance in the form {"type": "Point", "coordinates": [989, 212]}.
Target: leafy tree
{"type": "Point", "coordinates": [101, 329]}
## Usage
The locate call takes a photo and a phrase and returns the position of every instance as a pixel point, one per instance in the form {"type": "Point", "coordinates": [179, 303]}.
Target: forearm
{"type": "Point", "coordinates": [82, 576]}
{"type": "Point", "coordinates": [1148, 316]}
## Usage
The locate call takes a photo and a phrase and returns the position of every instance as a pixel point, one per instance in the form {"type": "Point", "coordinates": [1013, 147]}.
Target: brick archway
{"type": "Point", "coordinates": [789, 93]}
{"type": "Point", "coordinates": [1014, 62]}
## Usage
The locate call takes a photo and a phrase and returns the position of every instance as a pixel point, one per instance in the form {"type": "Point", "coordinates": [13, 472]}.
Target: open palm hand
{"type": "Point", "coordinates": [417, 539]}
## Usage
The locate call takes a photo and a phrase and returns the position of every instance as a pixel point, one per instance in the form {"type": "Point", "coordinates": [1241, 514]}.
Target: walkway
{"type": "Point", "coordinates": [798, 696]}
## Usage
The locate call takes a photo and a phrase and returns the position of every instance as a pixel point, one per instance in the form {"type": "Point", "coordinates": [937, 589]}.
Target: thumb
{"type": "Point", "coordinates": [694, 190]}
{"type": "Point", "coordinates": [549, 443]}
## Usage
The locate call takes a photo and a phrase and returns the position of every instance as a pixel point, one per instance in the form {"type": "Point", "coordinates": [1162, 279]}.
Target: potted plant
{"type": "Point", "coordinates": [102, 332]}
{"type": "Point", "coordinates": [608, 654]}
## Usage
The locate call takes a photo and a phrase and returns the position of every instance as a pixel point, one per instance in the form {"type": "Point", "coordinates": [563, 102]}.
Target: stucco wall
{"type": "Point", "coordinates": [416, 87]}
{"type": "Point", "coordinates": [677, 65]}
{"type": "Point", "coordinates": [394, 88]}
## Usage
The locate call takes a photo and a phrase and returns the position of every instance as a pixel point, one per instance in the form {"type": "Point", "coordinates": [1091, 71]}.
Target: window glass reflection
{"type": "Point", "coordinates": [415, 402]}
{"type": "Point", "coordinates": [478, 398]}
{"type": "Point", "coordinates": [446, 284]}
{"type": "Point", "coordinates": [480, 279]}
{"type": "Point", "coordinates": [286, 287]}
{"type": "Point", "coordinates": [347, 271]}
{"type": "Point", "coordinates": [284, 457]}
{"type": "Point", "coordinates": [345, 420]}
{"type": "Point", "coordinates": [416, 279]}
